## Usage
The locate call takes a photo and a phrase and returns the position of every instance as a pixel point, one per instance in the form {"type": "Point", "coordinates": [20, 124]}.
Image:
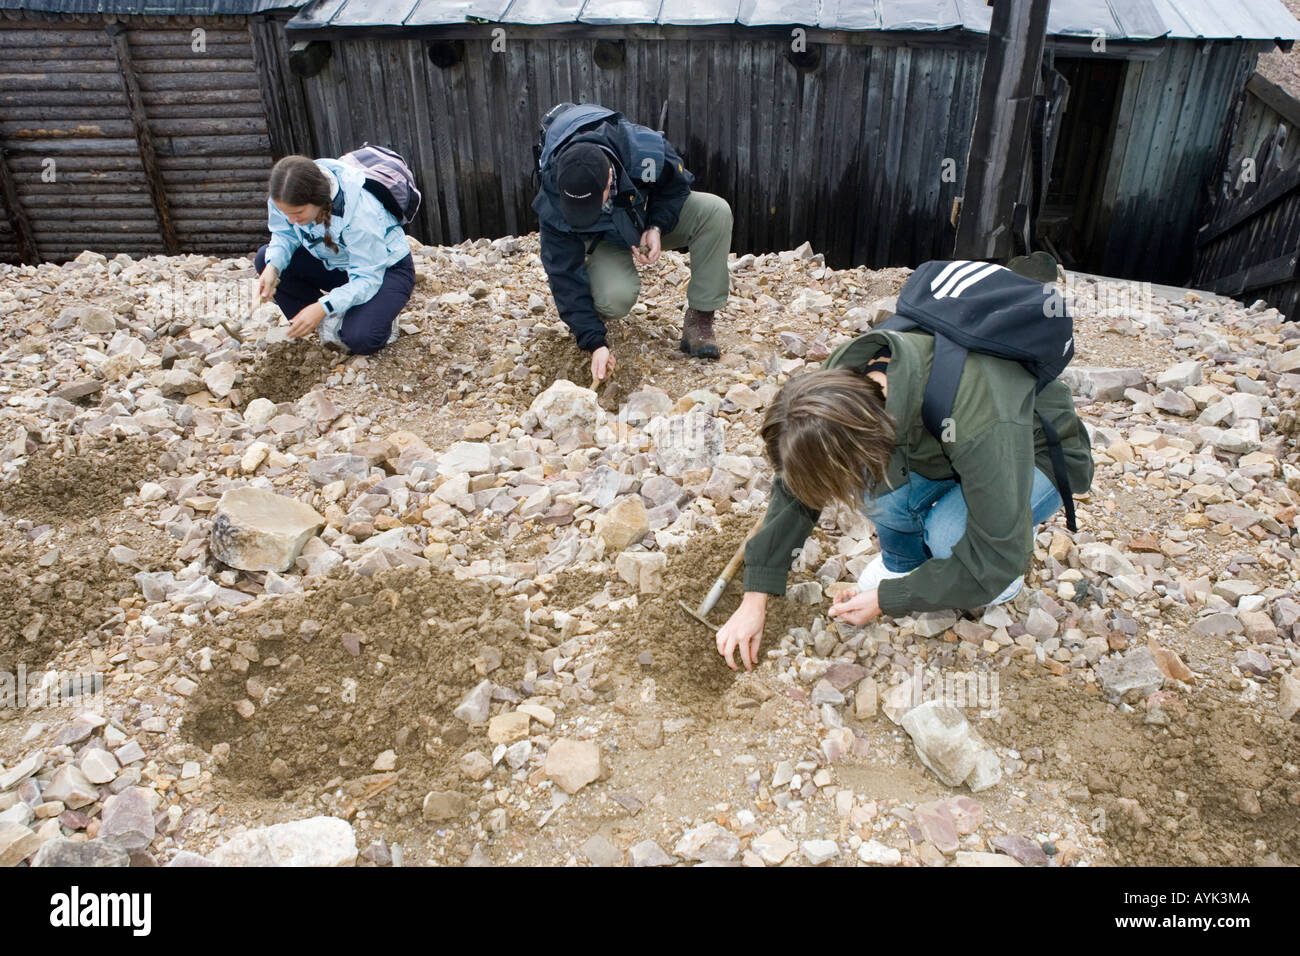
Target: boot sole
{"type": "Point", "coordinates": [704, 351]}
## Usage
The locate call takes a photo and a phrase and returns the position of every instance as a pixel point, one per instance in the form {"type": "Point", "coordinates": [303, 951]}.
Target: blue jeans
{"type": "Point", "coordinates": [925, 518]}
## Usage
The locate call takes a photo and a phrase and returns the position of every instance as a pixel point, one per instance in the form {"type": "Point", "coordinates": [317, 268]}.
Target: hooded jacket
{"type": "Point", "coordinates": [368, 237]}
{"type": "Point", "coordinates": [998, 442]}
{"type": "Point", "coordinates": [650, 185]}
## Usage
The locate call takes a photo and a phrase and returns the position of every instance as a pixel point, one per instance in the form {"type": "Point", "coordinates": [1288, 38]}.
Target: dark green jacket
{"type": "Point", "coordinates": [998, 440]}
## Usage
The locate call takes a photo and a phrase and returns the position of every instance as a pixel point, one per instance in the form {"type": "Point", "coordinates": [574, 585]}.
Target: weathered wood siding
{"type": "Point", "coordinates": [1249, 247]}
{"type": "Point", "coordinates": [848, 155]}
{"type": "Point", "coordinates": [139, 144]}
{"type": "Point", "coordinates": [1168, 130]}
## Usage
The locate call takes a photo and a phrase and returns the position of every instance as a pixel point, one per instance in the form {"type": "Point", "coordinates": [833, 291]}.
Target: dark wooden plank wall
{"type": "Point", "coordinates": [281, 90]}
{"type": "Point", "coordinates": [1249, 247]}
{"type": "Point", "coordinates": [63, 97]}
{"type": "Point", "coordinates": [63, 112]}
{"type": "Point", "coordinates": [847, 155]}
{"type": "Point", "coordinates": [1163, 155]}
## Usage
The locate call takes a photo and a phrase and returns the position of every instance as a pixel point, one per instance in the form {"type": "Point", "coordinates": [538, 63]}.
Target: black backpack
{"type": "Point", "coordinates": [981, 307]}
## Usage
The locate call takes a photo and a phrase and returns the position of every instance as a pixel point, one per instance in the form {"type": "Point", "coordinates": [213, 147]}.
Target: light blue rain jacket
{"type": "Point", "coordinates": [369, 240]}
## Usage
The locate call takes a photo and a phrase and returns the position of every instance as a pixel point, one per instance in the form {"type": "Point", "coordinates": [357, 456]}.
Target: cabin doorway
{"type": "Point", "coordinates": [1069, 223]}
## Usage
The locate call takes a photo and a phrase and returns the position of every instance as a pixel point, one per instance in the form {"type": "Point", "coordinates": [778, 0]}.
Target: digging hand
{"type": "Point", "coordinates": [602, 363]}
{"type": "Point", "coordinates": [744, 631]}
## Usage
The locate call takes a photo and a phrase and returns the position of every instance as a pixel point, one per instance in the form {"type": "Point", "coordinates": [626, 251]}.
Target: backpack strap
{"type": "Point", "coordinates": [1058, 470]}
{"type": "Point", "coordinates": [941, 387]}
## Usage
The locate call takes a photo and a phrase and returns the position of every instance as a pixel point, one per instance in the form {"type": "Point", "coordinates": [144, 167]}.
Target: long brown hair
{"type": "Point", "coordinates": [826, 433]}
{"type": "Point", "coordinates": [298, 181]}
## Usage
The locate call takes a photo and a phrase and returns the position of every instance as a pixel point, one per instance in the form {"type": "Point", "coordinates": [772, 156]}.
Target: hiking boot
{"type": "Point", "coordinates": [697, 334]}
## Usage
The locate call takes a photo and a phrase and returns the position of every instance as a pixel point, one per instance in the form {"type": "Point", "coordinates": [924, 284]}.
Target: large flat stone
{"type": "Point", "coordinates": [258, 530]}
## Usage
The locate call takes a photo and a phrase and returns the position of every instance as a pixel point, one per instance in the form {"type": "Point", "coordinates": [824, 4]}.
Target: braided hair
{"type": "Point", "coordinates": [298, 181]}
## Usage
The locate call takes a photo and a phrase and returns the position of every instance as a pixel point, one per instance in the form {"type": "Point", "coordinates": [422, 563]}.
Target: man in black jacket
{"type": "Point", "coordinates": [613, 195]}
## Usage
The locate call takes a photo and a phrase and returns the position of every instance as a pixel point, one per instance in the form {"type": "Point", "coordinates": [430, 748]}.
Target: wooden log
{"type": "Point", "coordinates": [197, 83]}
{"type": "Point", "coordinates": [154, 99]}
{"type": "Point", "coordinates": [28, 132]}
{"type": "Point", "coordinates": [1276, 98]}
{"type": "Point", "coordinates": [998, 142]}
{"type": "Point", "coordinates": [143, 135]}
{"type": "Point", "coordinates": [208, 126]}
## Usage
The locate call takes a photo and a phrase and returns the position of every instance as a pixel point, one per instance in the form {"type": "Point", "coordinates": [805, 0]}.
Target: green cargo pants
{"type": "Point", "coordinates": [703, 227]}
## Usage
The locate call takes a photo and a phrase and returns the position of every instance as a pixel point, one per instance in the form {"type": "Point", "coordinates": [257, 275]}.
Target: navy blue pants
{"type": "Point", "coordinates": [366, 326]}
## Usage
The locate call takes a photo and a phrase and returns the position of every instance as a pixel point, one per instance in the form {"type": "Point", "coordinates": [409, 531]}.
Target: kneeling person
{"type": "Point", "coordinates": [613, 195]}
{"type": "Point", "coordinates": [340, 258]}
{"type": "Point", "coordinates": [954, 514]}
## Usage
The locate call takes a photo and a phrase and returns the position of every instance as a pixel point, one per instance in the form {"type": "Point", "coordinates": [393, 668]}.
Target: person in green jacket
{"type": "Point", "coordinates": [954, 517]}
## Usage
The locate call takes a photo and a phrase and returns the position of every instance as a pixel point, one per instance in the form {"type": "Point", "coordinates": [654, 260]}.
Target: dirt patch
{"type": "Point", "coordinates": [56, 593]}
{"type": "Point", "coordinates": [287, 371]}
{"type": "Point", "coordinates": [352, 670]}
{"type": "Point", "coordinates": [636, 344]}
{"type": "Point", "coordinates": [1197, 783]}
{"type": "Point", "coordinates": [685, 661]}
{"type": "Point", "coordinates": [68, 481]}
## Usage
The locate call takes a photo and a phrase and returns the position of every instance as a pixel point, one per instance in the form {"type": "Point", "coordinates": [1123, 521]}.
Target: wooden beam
{"type": "Point", "coordinates": [1278, 186]}
{"type": "Point", "coordinates": [1260, 276]}
{"type": "Point", "coordinates": [17, 214]}
{"type": "Point", "coordinates": [143, 136]}
{"type": "Point", "coordinates": [1275, 98]}
{"type": "Point", "coordinates": [997, 159]}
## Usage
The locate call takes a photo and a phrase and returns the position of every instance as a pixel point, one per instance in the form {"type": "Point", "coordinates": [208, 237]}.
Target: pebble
{"type": "Point", "coordinates": [818, 852]}
{"type": "Point", "coordinates": [648, 853]}
{"type": "Point", "coordinates": [773, 847]}
{"type": "Point", "coordinates": [708, 842]}
{"type": "Point", "coordinates": [17, 843]}
{"type": "Point", "coordinates": [600, 852]}
{"type": "Point", "coordinates": [573, 763]}
{"type": "Point", "coordinates": [92, 853]}
{"type": "Point", "coordinates": [128, 818]}
{"type": "Point", "coordinates": [476, 706]}
{"type": "Point", "coordinates": [1134, 674]}
{"type": "Point", "coordinates": [1020, 848]}
{"type": "Point", "coordinates": [508, 727]}
{"type": "Point", "coordinates": [875, 853]}
{"type": "Point", "coordinates": [442, 805]}
{"type": "Point", "coordinates": [318, 841]}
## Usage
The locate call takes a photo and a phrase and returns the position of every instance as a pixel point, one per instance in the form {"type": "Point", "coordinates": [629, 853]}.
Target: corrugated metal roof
{"type": "Point", "coordinates": [155, 8]}
{"type": "Point", "coordinates": [1116, 19]}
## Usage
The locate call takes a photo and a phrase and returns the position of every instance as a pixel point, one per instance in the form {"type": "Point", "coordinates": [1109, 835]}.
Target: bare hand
{"type": "Point", "coordinates": [744, 631]}
{"type": "Point", "coordinates": [306, 321]}
{"type": "Point", "coordinates": [602, 363]}
{"type": "Point", "coordinates": [267, 282]}
{"type": "Point", "coordinates": [854, 607]}
{"type": "Point", "coordinates": [650, 243]}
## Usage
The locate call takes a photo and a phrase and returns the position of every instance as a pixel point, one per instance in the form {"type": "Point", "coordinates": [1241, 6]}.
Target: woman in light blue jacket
{"type": "Point", "coordinates": [341, 259]}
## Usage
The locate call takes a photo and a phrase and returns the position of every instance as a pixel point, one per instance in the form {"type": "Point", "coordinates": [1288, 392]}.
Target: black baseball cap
{"type": "Point", "coordinates": [582, 173]}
